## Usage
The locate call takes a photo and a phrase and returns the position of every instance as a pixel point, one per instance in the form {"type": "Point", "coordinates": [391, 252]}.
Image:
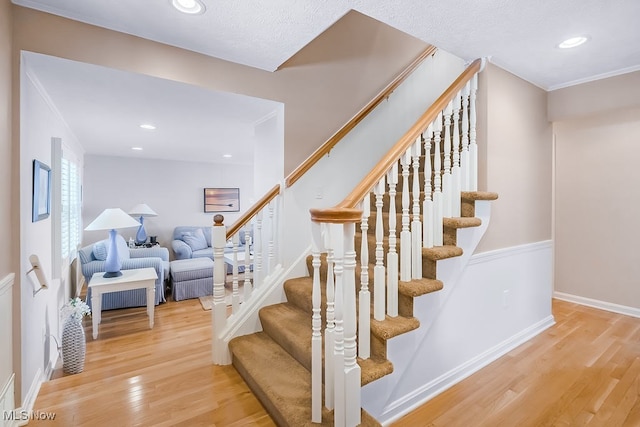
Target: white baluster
{"type": "Point", "coordinates": [272, 233]}
{"type": "Point", "coordinates": [235, 295]}
{"type": "Point", "coordinates": [455, 171]}
{"type": "Point", "coordinates": [392, 256]}
{"type": "Point", "coordinates": [316, 325]}
{"type": "Point", "coordinates": [351, 367]}
{"type": "Point", "coordinates": [257, 252]}
{"type": "Point", "coordinates": [379, 270]}
{"type": "Point", "coordinates": [427, 204]}
{"type": "Point", "coordinates": [437, 192]}
{"type": "Point", "coordinates": [464, 155]}
{"type": "Point", "coordinates": [330, 328]}
{"type": "Point", "coordinates": [416, 225]}
{"type": "Point", "coordinates": [219, 350]}
{"type": "Point", "coordinates": [337, 242]}
{"type": "Point", "coordinates": [364, 326]}
{"type": "Point", "coordinates": [248, 244]}
{"type": "Point", "coordinates": [405, 233]}
{"type": "Point", "coordinates": [446, 175]}
{"type": "Point", "coordinates": [473, 147]}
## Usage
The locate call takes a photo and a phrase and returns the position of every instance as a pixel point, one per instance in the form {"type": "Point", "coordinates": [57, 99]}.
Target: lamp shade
{"type": "Point", "coordinates": [142, 210]}
{"type": "Point", "coordinates": [111, 219]}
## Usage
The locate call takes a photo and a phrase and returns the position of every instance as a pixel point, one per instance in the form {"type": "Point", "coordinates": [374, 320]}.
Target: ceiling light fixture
{"type": "Point", "coordinates": [136, 148]}
{"type": "Point", "coordinates": [192, 7]}
{"type": "Point", "coordinates": [147, 126]}
{"type": "Point", "coordinates": [227, 156]}
{"type": "Point", "coordinates": [573, 42]}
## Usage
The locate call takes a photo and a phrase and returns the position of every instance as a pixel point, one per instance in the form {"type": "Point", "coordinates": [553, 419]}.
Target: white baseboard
{"type": "Point", "coordinates": [451, 378]}
{"type": "Point", "coordinates": [30, 399]}
{"type": "Point", "coordinates": [602, 305]}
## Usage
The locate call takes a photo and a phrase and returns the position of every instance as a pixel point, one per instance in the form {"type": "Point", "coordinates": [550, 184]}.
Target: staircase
{"type": "Point", "coordinates": [276, 362]}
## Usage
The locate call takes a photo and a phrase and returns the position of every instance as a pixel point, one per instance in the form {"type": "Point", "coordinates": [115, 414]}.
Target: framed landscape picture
{"type": "Point", "coordinates": [221, 200]}
{"type": "Point", "coordinates": [41, 191]}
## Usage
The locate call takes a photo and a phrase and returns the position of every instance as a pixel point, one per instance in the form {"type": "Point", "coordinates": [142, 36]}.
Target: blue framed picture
{"type": "Point", "coordinates": [41, 191]}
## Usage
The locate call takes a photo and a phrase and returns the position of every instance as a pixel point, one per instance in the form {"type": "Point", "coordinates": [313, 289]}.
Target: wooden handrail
{"type": "Point", "coordinates": [352, 200]}
{"type": "Point", "coordinates": [249, 214]}
{"type": "Point", "coordinates": [344, 130]}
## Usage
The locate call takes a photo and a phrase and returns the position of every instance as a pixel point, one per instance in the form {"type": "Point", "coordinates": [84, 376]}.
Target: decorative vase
{"type": "Point", "coordinates": [73, 346]}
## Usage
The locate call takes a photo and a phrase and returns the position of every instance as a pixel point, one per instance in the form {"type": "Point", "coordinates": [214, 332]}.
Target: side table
{"type": "Point", "coordinates": [131, 279]}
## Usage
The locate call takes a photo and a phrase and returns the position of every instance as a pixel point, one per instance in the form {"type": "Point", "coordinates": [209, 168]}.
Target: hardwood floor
{"type": "Point", "coordinates": [582, 371]}
{"type": "Point", "coordinates": [136, 376]}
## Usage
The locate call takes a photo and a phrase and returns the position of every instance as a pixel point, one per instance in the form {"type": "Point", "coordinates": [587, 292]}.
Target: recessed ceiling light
{"type": "Point", "coordinates": [147, 126]}
{"type": "Point", "coordinates": [136, 148]}
{"type": "Point", "coordinates": [192, 7]}
{"type": "Point", "coordinates": [227, 156]}
{"type": "Point", "coordinates": [573, 42]}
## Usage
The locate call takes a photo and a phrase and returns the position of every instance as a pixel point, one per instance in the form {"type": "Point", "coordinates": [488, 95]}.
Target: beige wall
{"type": "Point", "coordinates": [322, 86]}
{"type": "Point", "coordinates": [595, 97]}
{"type": "Point", "coordinates": [597, 206]}
{"type": "Point", "coordinates": [515, 149]}
{"type": "Point", "coordinates": [6, 176]}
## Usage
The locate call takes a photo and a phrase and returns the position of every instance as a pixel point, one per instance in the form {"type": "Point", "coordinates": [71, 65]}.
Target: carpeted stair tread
{"type": "Point", "coordinates": [393, 326]}
{"type": "Point", "coordinates": [282, 385]}
{"type": "Point", "coordinates": [462, 222]}
{"type": "Point", "coordinates": [441, 252]}
{"type": "Point", "coordinates": [478, 195]}
{"type": "Point", "coordinates": [416, 288]}
{"type": "Point", "coordinates": [295, 339]}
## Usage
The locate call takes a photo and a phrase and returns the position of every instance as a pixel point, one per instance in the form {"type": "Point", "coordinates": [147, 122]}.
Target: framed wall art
{"type": "Point", "coordinates": [41, 191]}
{"type": "Point", "coordinates": [221, 200]}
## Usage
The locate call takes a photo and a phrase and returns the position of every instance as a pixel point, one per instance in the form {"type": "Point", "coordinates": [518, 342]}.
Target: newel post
{"type": "Point", "coordinates": [219, 349]}
{"type": "Point", "coordinates": [346, 382]}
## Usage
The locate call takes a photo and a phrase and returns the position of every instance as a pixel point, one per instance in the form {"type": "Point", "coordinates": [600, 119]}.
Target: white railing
{"type": "Point", "coordinates": [248, 250]}
{"type": "Point", "coordinates": [450, 122]}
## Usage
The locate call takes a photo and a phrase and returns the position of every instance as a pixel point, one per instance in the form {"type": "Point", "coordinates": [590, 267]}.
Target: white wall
{"type": "Point", "coordinates": [268, 153]}
{"type": "Point", "coordinates": [335, 175]}
{"type": "Point", "coordinates": [39, 123]}
{"type": "Point", "coordinates": [174, 190]}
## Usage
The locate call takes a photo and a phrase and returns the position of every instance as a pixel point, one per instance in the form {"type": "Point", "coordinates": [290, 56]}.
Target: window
{"type": "Point", "coordinates": [70, 208]}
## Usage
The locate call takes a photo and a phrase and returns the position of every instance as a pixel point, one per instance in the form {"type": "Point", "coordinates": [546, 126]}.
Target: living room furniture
{"type": "Point", "coordinates": [191, 278]}
{"type": "Point", "coordinates": [92, 261]}
{"type": "Point", "coordinates": [195, 242]}
{"type": "Point", "coordinates": [228, 260]}
{"type": "Point", "coordinates": [112, 219]}
{"type": "Point", "coordinates": [137, 278]}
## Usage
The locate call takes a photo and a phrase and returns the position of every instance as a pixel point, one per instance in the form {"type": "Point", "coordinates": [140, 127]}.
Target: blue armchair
{"type": "Point", "coordinates": [156, 257]}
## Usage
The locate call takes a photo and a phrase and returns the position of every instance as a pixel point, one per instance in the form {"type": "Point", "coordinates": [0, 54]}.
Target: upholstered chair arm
{"type": "Point", "coordinates": [181, 249]}
{"type": "Point", "coordinates": [154, 251]}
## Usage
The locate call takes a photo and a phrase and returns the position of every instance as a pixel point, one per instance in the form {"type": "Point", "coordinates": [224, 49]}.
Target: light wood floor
{"type": "Point", "coordinates": [582, 371]}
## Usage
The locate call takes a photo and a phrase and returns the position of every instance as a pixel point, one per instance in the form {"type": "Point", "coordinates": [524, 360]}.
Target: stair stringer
{"type": "Point", "coordinates": [382, 398]}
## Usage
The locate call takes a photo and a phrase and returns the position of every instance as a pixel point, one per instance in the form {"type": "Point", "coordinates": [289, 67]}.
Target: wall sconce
{"type": "Point", "coordinates": [36, 267]}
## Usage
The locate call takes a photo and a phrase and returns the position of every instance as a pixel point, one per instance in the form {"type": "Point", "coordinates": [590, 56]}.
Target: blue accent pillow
{"type": "Point", "coordinates": [195, 240]}
{"type": "Point", "coordinates": [100, 251]}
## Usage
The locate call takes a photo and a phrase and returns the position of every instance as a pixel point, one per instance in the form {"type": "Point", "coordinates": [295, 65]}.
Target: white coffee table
{"type": "Point", "coordinates": [228, 259]}
{"type": "Point", "coordinates": [136, 278]}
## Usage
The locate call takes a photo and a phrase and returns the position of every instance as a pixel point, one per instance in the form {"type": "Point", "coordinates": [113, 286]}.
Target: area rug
{"type": "Point", "coordinates": [207, 301]}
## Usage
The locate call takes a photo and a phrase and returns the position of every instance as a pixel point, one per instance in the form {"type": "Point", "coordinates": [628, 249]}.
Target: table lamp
{"type": "Point", "coordinates": [142, 210]}
{"type": "Point", "coordinates": [112, 219]}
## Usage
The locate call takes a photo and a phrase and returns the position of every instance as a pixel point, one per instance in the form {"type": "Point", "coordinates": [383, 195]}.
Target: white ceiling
{"type": "Point", "coordinates": [104, 108]}
{"type": "Point", "coordinates": [518, 35]}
